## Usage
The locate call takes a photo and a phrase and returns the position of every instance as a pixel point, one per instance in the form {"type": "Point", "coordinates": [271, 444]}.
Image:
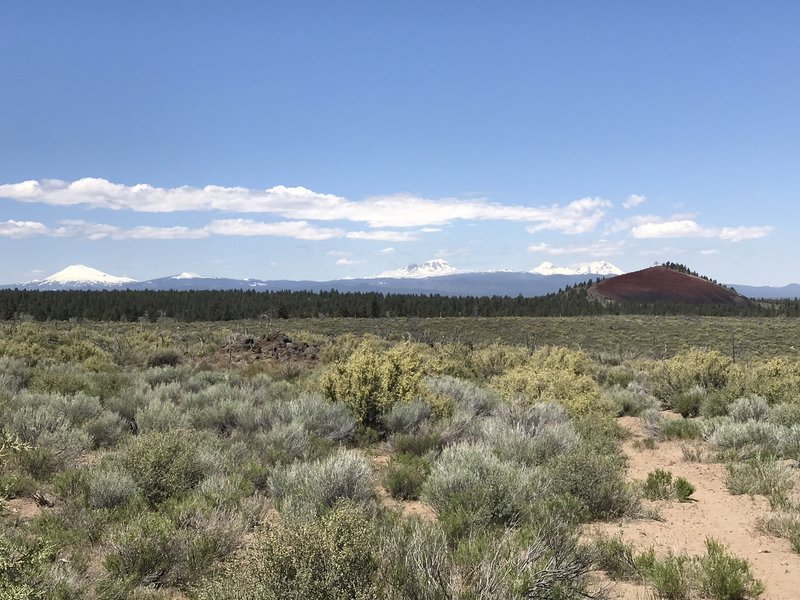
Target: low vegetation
{"type": "Point", "coordinates": [158, 462]}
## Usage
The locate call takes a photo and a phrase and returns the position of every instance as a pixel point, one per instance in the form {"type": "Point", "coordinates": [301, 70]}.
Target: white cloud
{"type": "Point", "coordinates": [601, 248]}
{"type": "Point", "coordinates": [299, 203]}
{"type": "Point", "coordinates": [146, 232]}
{"type": "Point", "coordinates": [625, 224]}
{"type": "Point", "coordinates": [690, 228]}
{"type": "Point", "coordinates": [738, 234]}
{"type": "Point", "coordinates": [21, 229]}
{"type": "Point", "coordinates": [389, 250]}
{"type": "Point", "coordinates": [382, 236]}
{"type": "Point", "coordinates": [634, 200]}
{"type": "Point", "coordinates": [671, 229]}
{"type": "Point", "coordinates": [300, 230]}
{"type": "Point", "coordinates": [348, 261]}
{"type": "Point", "coordinates": [709, 252]}
{"type": "Point", "coordinates": [580, 216]}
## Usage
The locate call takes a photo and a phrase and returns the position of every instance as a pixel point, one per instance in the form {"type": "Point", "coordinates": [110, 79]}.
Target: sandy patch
{"type": "Point", "coordinates": [729, 519]}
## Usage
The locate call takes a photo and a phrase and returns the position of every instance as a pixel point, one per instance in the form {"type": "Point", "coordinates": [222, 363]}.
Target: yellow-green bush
{"type": "Point", "coordinates": [554, 375]}
{"type": "Point", "coordinates": [580, 394]}
{"type": "Point", "coordinates": [371, 381]}
{"type": "Point", "coordinates": [777, 380]}
{"type": "Point", "coordinates": [483, 363]}
{"type": "Point", "coordinates": [562, 359]}
{"type": "Point", "coordinates": [693, 367]}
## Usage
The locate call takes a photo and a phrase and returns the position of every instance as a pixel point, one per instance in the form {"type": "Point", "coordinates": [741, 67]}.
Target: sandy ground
{"type": "Point", "coordinates": [23, 509]}
{"type": "Point", "coordinates": [408, 508]}
{"type": "Point", "coordinates": [729, 519]}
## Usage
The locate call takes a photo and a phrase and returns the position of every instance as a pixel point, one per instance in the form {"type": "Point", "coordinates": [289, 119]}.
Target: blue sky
{"type": "Point", "coordinates": [317, 140]}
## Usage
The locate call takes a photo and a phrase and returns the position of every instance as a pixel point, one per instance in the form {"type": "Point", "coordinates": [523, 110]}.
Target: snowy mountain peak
{"type": "Point", "coordinates": [600, 267]}
{"type": "Point", "coordinates": [81, 274]}
{"type": "Point", "coordinates": [430, 268]}
{"type": "Point", "coordinates": [186, 275]}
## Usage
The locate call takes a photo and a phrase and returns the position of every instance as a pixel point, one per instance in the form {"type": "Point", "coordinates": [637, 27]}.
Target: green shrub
{"type": "Point", "coordinates": [683, 489]}
{"type": "Point", "coordinates": [786, 415]}
{"type": "Point", "coordinates": [517, 446]}
{"type": "Point", "coordinates": [407, 417]}
{"type": "Point", "coordinates": [614, 557]}
{"type": "Point", "coordinates": [653, 424]}
{"type": "Point", "coordinates": [23, 564]}
{"type": "Point", "coordinates": [744, 439]}
{"type": "Point", "coordinates": [202, 538]}
{"type": "Point", "coordinates": [143, 551]}
{"type": "Point", "coordinates": [658, 485]}
{"type": "Point", "coordinates": [328, 420]}
{"type": "Point", "coordinates": [160, 415]}
{"type": "Point", "coordinates": [224, 490]}
{"type": "Point", "coordinates": [72, 487]}
{"type": "Point", "coordinates": [80, 408]}
{"type": "Point", "coordinates": [405, 476]}
{"type": "Point", "coordinates": [579, 393]}
{"type": "Point", "coordinates": [420, 562]}
{"type": "Point", "coordinates": [465, 396]}
{"type": "Point", "coordinates": [761, 476]}
{"type": "Point", "coordinates": [331, 558]}
{"type": "Point", "coordinates": [789, 442]}
{"type": "Point", "coordinates": [693, 368]}
{"type": "Point", "coordinates": [418, 444]}
{"type": "Point", "coordinates": [162, 375]}
{"type": "Point", "coordinates": [312, 488]}
{"type": "Point", "coordinates": [681, 429]}
{"type": "Point", "coordinates": [785, 525]}
{"type": "Point", "coordinates": [530, 434]}
{"type": "Point", "coordinates": [471, 489]}
{"type": "Point", "coordinates": [163, 465]}
{"type": "Point", "coordinates": [164, 359]}
{"type": "Point", "coordinates": [688, 402]}
{"type": "Point", "coordinates": [14, 374]}
{"type": "Point", "coordinates": [126, 405]}
{"type": "Point", "coordinates": [110, 489]}
{"type": "Point", "coordinates": [726, 577]}
{"type": "Point", "coordinates": [750, 408]}
{"type": "Point", "coordinates": [281, 445]}
{"type": "Point", "coordinates": [597, 480]}
{"type": "Point", "coordinates": [631, 400]}
{"type": "Point", "coordinates": [672, 576]}
{"type": "Point", "coordinates": [715, 404]}
{"type": "Point", "coordinates": [370, 382]}
{"type": "Point", "coordinates": [53, 451]}
{"type": "Point", "coordinates": [777, 380]}
{"type": "Point", "coordinates": [107, 429]}
{"type": "Point", "coordinates": [59, 379]}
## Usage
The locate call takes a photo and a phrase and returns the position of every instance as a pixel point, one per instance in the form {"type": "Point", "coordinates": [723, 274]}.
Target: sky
{"type": "Point", "coordinates": [321, 140]}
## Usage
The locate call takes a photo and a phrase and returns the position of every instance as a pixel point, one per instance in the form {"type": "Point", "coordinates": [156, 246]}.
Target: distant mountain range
{"type": "Point", "coordinates": [600, 267]}
{"type": "Point", "coordinates": [431, 277]}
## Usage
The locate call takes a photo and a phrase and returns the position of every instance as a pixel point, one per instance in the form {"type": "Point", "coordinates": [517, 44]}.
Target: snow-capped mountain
{"type": "Point", "coordinates": [430, 268]}
{"type": "Point", "coordinates": [600, 267]}
{"type": "Point", "coordinates": [80, 276]}
{"type": "Point", "coordinates": [431, 277]}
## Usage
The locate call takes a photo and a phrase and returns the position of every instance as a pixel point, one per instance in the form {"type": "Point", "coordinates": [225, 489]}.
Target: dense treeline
{"type": "Point", "coordinates": [190, 306]}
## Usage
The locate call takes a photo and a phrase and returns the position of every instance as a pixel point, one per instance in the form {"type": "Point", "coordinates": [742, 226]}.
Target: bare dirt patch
{"type": "Point", "coordinates": [715, 513]}
{"type": "Point", "coordinates": [407, 508]}
{"type": "Point", "coordinates": [23, 509]}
